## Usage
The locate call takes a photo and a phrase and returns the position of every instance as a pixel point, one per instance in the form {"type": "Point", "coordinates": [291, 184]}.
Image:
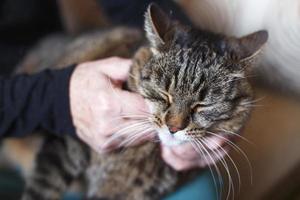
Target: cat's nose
{"type": "Point", "coordinates": [176, 121]}
{"type": "Point", "coordinates": [174, 129]}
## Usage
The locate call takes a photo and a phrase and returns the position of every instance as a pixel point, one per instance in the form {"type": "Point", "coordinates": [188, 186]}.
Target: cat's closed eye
{"type": "Point", "coordinates": [161, 97]}
{"type": "Point", "coordinates": [200, 106]}
{"type": "Point", "coordinates": [166, 96]}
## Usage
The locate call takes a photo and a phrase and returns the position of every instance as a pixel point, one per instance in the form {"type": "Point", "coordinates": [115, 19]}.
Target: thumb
{"type": "Point", "coordinates": [132, 103]}
{"type": "Point", "coordinates": [115, 68]}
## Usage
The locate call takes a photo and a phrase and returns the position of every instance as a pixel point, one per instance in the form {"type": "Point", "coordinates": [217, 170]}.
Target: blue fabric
{"type": "Point", "coordinates": [201, 188]}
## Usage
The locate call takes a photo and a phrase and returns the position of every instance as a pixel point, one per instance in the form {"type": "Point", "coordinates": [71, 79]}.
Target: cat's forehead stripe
{"type": "Point", "coordinates": [189, 75]}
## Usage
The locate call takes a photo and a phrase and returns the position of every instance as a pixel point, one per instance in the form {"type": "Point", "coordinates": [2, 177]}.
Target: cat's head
{"type": "Point", "coordinates": [195, 81]}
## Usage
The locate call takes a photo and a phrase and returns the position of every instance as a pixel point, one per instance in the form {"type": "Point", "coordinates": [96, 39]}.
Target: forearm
{"type": "Point", "coordinates": [39, 101]}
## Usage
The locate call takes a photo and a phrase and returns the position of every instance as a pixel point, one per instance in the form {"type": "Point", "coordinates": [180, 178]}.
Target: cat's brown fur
{"type": "Point", "coordinates": [139, 172]}
{"type": "Point", "coordinates": [59, 51]}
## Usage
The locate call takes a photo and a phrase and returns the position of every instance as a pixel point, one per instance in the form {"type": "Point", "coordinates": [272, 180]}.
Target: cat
{"type": "Point", "coordinates": [195, 83]}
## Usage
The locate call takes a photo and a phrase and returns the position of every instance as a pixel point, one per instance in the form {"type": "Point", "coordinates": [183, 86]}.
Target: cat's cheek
{"type": "Point", "coordinates": [202, 122]}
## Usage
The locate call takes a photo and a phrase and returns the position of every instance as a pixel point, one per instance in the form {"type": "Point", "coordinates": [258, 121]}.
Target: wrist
{"type": "Point", "coordinates": [62, 109]}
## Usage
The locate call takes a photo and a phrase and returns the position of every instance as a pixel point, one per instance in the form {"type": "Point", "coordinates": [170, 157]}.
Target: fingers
{"type": "Point", "coordinates": [115, 68]}
{"type": "Point", "coordinates": [132, 103]}
{"type": "Point", "coordinates": [185, 151]}
{"type": "Point", "coordinates": [105, 107]}
{"type": "Point", "coordinates": [176, 162]}
{"type": "Point", "coordinates": [185, 157]}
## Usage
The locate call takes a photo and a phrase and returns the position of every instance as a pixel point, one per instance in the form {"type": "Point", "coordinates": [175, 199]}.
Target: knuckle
{"type": "Point", "coordinates": [115, 59]}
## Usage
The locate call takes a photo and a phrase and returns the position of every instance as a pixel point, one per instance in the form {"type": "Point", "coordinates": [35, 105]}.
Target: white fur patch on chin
{"type": "Point", "coordinates": [169, 139]}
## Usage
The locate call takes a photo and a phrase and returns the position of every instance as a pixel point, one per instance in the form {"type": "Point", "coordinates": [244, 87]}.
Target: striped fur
{"type": "Point", "coordinates": [182, 71]}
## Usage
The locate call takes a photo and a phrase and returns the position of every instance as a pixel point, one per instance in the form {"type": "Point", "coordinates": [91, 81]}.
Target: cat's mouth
{"type": "Point", "coordinates": [211, 142]}
{"type": "Point", "coordinates": [170, 139]}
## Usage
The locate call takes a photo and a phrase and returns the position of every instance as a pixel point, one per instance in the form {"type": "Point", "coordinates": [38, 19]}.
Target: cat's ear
{"type": "Point", "coordinates": [158, 27]}
{"type": "Point", "coordinates": [247, 47]}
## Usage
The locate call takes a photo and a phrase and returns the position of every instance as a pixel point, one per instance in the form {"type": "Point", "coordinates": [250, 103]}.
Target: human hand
{"type": "Point", "coordinates": [98, 103]}
{"type": "Point", "coordinates": [185, 156]}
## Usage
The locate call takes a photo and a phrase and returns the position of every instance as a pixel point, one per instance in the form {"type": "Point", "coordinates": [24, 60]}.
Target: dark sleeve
{"type": "Point", "coordinates": [39, 101]}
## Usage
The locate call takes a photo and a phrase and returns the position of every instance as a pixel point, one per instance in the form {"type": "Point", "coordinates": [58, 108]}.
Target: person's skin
{"type": "Point", "coordinates": [184, 156]}
{"type": "Point", "coordinates": [97, 104]}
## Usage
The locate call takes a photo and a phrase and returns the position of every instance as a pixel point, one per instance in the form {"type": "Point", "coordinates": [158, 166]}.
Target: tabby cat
{"type": "Point", "coordinates": [195, 84]}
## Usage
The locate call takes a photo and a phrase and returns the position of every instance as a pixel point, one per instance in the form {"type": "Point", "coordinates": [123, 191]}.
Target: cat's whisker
{"type": "Point", "coordinates": [239, 178]}
{"type": "Point", "coordinates": [145, 112]}
{"type": "Point", "coordinates": [230, 181]}
{"type": "Point", "coordinates": [122, 126]}
{"type": "Point", "coordinates": [237, 135]}
{"type": "Point", "coordinates": [229, 157]}
{"type": "Point", "coordinates": [213, 162]}
{"type": "Point", "coordinates": [243, 68]}
{"type": "Point", "coordinates": [224, 164]}
{"type": "Point", "coordinates": [258, 99]}
{"type": "Point", "coordinates": [133, 125]}
{"type": "Point", "coordinates": [253, 105]}
{"type": "Point", "coordinates": [251, 76]}
{"type": "Point", "coordinates": [200, 144]}
{"type": "Point", "coordinates": [236, 78]}
{"type": "Point", "coordinates": [135, 115]}
{"type": "Point", "coordinates": [127, 130]}
{"type": "Point", "coordinates": [131, 118]}
{"type": "Point", "coordinates": [239, 150]}
{"type": "Point", "coordinates": [219, 173]}
{"type": "Point", "coordinates": [201, 153]}
{"type": "Point", "coordinates": [131, 139]}
{"type": "Point", "coordinates": [133, 136]}
{"type": "Point", "coordinates": [254, 101]}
